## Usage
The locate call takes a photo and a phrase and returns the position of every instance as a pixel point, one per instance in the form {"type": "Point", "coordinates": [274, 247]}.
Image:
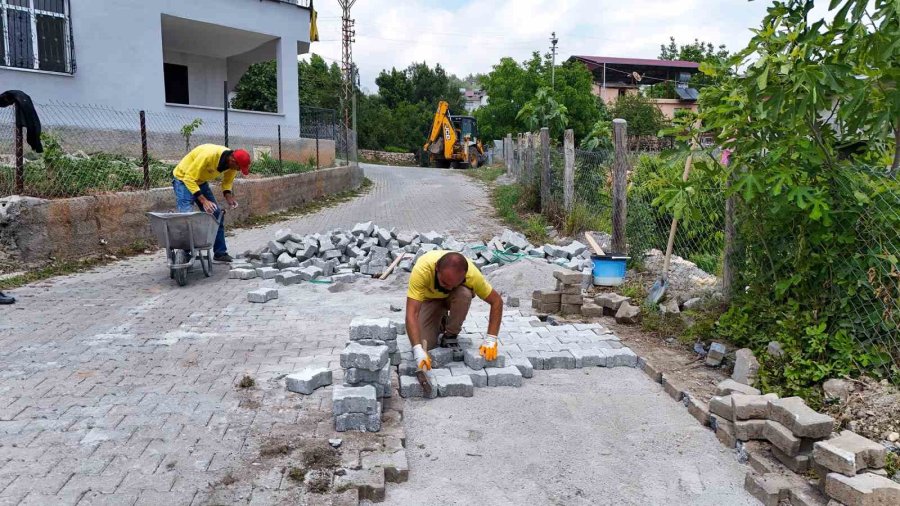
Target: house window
{"type": "Point", "coordinates": [36, 34]}
{"type": "Point", "coordinates": [175, 78]}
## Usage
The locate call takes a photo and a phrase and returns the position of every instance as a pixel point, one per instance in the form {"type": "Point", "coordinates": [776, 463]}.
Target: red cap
{"type": "Point", "coordinates": [242, 158]}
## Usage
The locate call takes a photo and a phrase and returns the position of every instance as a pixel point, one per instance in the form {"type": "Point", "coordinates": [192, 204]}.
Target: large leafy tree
{"type": "Point", "coordinates": [511, 85]}
{"type": "Point", "coordinates": [320, 85]}
{"type": "Point", "coordinates": [814, 122]}
{"type": "Point", "coordinates": [643, 116]}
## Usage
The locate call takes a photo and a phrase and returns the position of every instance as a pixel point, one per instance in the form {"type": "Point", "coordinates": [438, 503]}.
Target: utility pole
{"type": "Point", "coordinates": [553, 41]}
{"type": "Point", "coordinates": [355, 90]}
{"type": "Point", "coordinates": [347, 36]}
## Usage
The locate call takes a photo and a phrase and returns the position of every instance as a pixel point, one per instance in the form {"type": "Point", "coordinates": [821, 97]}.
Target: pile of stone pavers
{"type": "Point", "coordinates": [800, 440]}
{"type": "Point", "coordinates": [367, 250]}
{"type": "Point", "coordinates": [366, 361]}
{"type": "Point", "coordinates": [526, 345]}
{"type": "Point", "coordinates": [566, 298]}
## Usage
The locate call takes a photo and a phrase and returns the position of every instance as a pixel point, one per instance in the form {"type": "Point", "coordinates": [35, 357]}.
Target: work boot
{"type": "Point", "coordinates": [451, 341]}
{"type": "Point", "coordinates": [6, 299]}
{"type": "Point", "coordinates": [222, 258]}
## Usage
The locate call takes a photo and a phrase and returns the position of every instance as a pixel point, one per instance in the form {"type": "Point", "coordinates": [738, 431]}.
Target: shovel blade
{"type": "Point", "coordinates": [657, 291]}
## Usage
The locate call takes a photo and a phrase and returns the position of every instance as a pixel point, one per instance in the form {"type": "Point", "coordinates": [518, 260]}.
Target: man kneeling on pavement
{"type": "Point", "coordinates": [441, 288]}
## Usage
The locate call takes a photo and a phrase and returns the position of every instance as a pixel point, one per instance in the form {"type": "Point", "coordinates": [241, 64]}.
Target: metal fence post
{"type": "Point", "coordinates": [145, 156]}
{"type": "Point", "coordinates": [545, 169]}
{"type": "Point", "coordinates": [569, 171]}
{"type": "Point", "coordinates": [317, 145]}
{"type": "Point", "coordinates": [20, 158]}
{"type": "Point", "coordinates": [620, 175]}
{"type": "Point", "coordinates": [225, 108]}
{"type": "Point", "coordinates": [280, 163]}
{"type": "Point", "coordinates": [730, 247]}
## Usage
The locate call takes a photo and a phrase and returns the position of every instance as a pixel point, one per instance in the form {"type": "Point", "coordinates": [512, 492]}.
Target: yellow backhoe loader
{"type": "Point", "coordinates": [454, 140]}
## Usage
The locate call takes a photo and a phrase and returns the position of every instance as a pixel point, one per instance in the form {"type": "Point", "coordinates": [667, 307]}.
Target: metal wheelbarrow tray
{"type": "Point", "coordinates": [184, 234]}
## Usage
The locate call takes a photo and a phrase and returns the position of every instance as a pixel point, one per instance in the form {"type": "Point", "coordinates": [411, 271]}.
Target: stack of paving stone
{"type": "Point", "coordinates": [367, 250]}
{"type": "Point", "coordinates": [526, 344]}
{"type": "Point", "coordinates": [367, 375]}
{"type": "Point", "coordinates": [566, 299]}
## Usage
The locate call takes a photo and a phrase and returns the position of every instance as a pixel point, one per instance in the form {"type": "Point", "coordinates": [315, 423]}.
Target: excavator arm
{"type": "Point", "coordinates": [441, 131]}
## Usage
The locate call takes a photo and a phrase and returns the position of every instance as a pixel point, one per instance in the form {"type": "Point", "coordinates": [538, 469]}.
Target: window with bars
{"type": "Point", "coordinates": [36, 34]}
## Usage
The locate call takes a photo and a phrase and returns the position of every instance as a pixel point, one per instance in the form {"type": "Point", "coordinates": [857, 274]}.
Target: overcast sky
{"type": "Point", "coordinates": [469, 36]}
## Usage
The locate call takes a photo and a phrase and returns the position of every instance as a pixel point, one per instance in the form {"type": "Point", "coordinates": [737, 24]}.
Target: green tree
{"type": "Point", "coordinates": [642, 115]}
{"type": "Point", "coordinates": [511, 85]}
{"type": "Point", "coordinates": [321, 84]}
{"type": "Point", "coordinates": [818, 221]}
{"type": "Point", "coordinates": [544, 111]}
{"type": "Point", "coordinates": [257, 90]}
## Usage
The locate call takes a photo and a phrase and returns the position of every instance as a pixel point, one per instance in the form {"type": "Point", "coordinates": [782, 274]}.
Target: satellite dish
{"type": "Point", "coordinates": [637, 77]}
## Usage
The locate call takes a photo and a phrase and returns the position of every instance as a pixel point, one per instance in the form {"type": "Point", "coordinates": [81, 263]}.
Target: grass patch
{"type": "Point", "coordinates": [297, 474]}
{"type": "Point", "coordinates": [486, 174]}
{"type": "Point", "coordinates": [66, 267]}
{"type": "Point", "coordinates": [246, 382]}
{"type": "Point", "coordinates": [511, 203]}
{"type": "Point", "coordinates": [319, 484]}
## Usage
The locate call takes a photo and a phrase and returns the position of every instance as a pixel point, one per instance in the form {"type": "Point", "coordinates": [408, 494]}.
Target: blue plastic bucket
{"type": "Point", "coordinates": [609, 270]}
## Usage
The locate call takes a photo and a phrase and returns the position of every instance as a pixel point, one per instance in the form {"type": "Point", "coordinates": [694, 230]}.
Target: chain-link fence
{"type": "Point", "coordinates": [90, 149]}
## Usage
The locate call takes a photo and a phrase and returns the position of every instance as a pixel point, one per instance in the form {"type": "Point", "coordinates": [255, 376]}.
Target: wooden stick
{"type": "Point", "coordinates": [391, 267]}
{"type": "Point", "coordinates": [596, 247]}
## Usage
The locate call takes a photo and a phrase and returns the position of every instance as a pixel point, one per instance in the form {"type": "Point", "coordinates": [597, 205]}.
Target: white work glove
{"type": "Point", "coordinates": [489, 347]}
{"type": "Point", "coordinates": [423, 361]}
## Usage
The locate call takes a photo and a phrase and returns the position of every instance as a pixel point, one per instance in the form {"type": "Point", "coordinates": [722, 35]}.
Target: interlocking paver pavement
{"type": "Point", "coordinates": [118, 387]}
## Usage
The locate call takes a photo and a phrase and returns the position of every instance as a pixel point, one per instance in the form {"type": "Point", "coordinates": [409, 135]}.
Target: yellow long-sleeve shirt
{"type": "Point", "coordinates": [201, 165]}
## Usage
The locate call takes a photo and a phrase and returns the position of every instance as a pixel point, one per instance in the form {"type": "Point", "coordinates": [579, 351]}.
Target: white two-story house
{"type": "Point", "coordinates": [163, 56]}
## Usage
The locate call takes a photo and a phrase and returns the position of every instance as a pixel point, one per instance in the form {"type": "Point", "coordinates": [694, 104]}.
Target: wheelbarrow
{"type": "Point", "coordinates": [187, 237]}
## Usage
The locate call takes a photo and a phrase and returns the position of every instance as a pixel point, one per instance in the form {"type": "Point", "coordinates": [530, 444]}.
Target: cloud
{"type": "Point", "coordinates": [470, 36]}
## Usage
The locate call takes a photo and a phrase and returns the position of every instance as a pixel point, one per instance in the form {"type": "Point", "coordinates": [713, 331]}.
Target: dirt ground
{"type": "Point", "coordinates": [871, 410]}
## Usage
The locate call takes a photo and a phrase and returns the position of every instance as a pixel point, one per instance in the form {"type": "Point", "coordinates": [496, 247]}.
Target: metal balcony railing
{"type": "Point", "coordinates": [299, 3]}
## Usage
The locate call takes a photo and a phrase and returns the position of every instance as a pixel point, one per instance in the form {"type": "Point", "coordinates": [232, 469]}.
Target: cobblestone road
{"type": "Point", "coordinates": [116, 387]}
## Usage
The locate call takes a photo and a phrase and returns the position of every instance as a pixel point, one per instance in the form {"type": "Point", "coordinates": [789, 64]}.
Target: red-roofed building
{"type": "Point", "coordinates": [614, 77]}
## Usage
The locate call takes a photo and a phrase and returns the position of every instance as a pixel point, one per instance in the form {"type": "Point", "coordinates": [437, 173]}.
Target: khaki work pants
{"type": "Point", "coordinates": [444, 315]}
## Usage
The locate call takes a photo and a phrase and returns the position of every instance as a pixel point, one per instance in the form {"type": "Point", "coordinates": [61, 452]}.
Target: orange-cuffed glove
{"type": "Point", "coordinates": [489, 348]}
{"type": "Point", "coordinates": [423, 361]}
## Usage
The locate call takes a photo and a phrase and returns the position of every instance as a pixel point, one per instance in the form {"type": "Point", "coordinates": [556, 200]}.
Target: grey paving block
{"type": "Point", "coordinates": [557, 360]}
{"type": "Point", "coordinates": [276, 248]}
{"type": "Point", "coordinates": [365, 229]}
{"type": "Point", "coordinates": [410, 387]}
{"type": "Point", "coordinates": [356, 376]}
{"type": "Point", "coordinates": [267, 272]}
{"type": "Point", "coordinates": [477, 376]}
{"type": "Point", "coordinates": [588, 357]}
{"type": "Point", "coordinates": [243, 274]}
{"type": "Point", "coordinates": [311, 272]}
{"type": "Point", "coordinates": [308, 380]}
{"type": "Point", "coordinates": [524, 366]}
{"type": "Point", "coordinates": [800, 419]}
{"type": "Point", "coordinates": [432, 238]}
{"type": "Point", "coordinates": [441, 357]}
{"type": "Point", "coordinates": [285, 260]}
{"type": "Point", "coordinates": [288, 278]}
{"type": "Point", "coordinates": [372, 328]}
{"type": "Point", "coordinates": [360, 422]}
{"type": "Point", "coordinates": [372, 358]}
{"type": "Point", "coordinates": [262, 295]}
{"type": "Point", "coordinates": [473, 359]}
{"type": "Point", "coordinates": [455, 386]}
{"type": "Point", "coordinates": [621, 357]}
{"type": "Point", "coordinates": [504, 377]}
{"type": "Point", "coordinates": [354, 399]}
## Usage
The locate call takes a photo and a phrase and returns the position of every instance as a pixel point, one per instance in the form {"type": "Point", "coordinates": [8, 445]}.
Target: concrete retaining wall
{"type": "Point", "coordinates": [35, 231]}
{"type": "Point", "coordinates": [388, 157]}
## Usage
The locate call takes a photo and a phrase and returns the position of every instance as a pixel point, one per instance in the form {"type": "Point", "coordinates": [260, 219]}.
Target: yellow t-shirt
{"type": "Point", "coordinates": [201, 165]}
{"type": "Point", "coordinates": [422, 281]}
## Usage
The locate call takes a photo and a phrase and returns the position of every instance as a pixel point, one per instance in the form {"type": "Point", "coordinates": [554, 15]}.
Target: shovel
{"type": "Point", "coordinates": [658, 290]}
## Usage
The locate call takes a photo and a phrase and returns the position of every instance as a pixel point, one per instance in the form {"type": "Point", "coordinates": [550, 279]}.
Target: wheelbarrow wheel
{"type": "Point", "coordinates": [206, 263]}
{"type": "Point", "coordinates": [181, 273]}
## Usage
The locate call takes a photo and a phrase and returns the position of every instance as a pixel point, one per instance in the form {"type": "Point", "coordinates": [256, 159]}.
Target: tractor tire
{"type": "Point", "coordinates": [473, 159]}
